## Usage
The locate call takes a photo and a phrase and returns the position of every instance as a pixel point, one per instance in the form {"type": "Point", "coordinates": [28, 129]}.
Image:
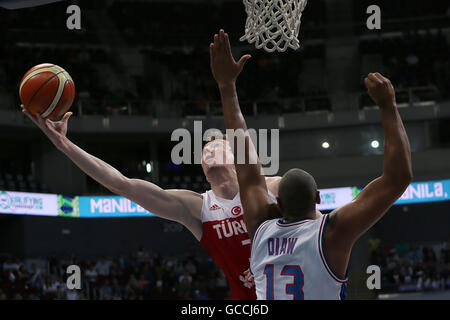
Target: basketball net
{"type": "Point", "coordinates": [273, 24]}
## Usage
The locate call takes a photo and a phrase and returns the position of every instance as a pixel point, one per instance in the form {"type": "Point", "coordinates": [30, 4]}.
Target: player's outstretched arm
{"type": "Point", "coordinates": [252, 184]}
{"type": "Point", "coordinates": [168, 204]}
{"type": "Point", "coordinates": [349, 222]}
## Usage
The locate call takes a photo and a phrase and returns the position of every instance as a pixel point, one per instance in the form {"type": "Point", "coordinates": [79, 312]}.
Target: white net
{"type": "Point", "coordinates": [273, 24]}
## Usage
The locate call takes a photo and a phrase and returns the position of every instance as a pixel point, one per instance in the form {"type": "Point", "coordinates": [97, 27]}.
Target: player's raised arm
{"type": "Point", "coordinates": [168, 204]}
{"type": "Point", "coordinates": [252, 184]}
{"type": "Point", "coordinates": [349, 222]}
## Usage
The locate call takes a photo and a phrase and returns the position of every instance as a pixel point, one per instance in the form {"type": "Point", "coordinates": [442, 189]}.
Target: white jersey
{"type": "Point", "coordinates": [288, 262]}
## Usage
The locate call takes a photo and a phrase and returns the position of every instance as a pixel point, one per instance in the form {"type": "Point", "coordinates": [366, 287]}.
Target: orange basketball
{"type": "Point", "coordinates": [48, 90]}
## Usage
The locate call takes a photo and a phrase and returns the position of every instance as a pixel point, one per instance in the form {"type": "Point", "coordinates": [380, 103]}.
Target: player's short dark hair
{"type": "Point", "coordinates": [297, 193]}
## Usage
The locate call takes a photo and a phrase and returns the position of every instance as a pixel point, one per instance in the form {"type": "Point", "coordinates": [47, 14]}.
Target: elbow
{"type": "Point", "coordinates": [401, 181]}
{"type": "Point", "coordinates": [410, 176]}
{"type": "Point", "coordinates": [407, 175]}
{"type": "Point", "coordinates": [405, 181]}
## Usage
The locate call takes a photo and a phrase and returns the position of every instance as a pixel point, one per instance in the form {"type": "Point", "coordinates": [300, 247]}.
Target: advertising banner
{"type": "Point", "coordinates": [40, 204]}
{"type": "Point", "coordinates": [119, 207]}
{"type": "Point", "coordinates": [333, 198]}
{"type": "Point", "coordinates": [429, 191]}
{"type": "Point", "coordinates": [110, 207]}
{"type": "Point", "coordinates": [420, 192]}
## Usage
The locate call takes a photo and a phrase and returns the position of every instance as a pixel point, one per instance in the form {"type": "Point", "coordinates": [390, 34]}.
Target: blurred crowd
{"type": "Point", "coordinates": [146, 275]}
{"type": "Point", "coordinates": [409, 267]}
{"type": "Point", "coordinates": [142, 275]}
{"type": "Point", "coordinates": [414, 59]}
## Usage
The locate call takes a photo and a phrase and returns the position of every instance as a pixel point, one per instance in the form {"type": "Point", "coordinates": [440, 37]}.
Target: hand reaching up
{"type": "Point", "coordinates": [223, 66]}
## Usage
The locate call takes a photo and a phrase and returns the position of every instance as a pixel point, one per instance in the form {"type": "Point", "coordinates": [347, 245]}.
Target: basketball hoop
{"type": "Point", "coordinates": [273, 24]}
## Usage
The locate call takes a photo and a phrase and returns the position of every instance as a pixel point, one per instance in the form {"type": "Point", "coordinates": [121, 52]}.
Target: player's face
{"type": "Point", "coordinates": [217, 153]}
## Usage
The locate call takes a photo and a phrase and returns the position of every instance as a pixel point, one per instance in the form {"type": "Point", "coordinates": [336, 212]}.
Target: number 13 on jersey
{"type": "Point", "coordinates": [294, 288]}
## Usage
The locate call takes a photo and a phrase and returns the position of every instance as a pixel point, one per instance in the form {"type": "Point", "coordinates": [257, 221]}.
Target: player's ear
{"type": "Point", "coordinates": [317, 197]}
{"type": "Point", "coordinates": [279, 203]}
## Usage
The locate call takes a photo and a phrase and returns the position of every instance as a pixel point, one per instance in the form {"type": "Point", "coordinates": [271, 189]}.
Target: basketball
{"type": "Point", "coordinates": [48, 90]}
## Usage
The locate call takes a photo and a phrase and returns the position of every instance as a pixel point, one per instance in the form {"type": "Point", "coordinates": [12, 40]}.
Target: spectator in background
{"type": "Point", "coordinates": [198, 295]}
{"type": "Point", "coordinates": [132, 282]}
{"type": "Point", "coordinates": [117, 289]}
{"type": "Point", "coordinates": [11, 264]}
{"type": "Point", "coordinates": [35, 279]}
{"type": "Point", "coordinates": [143, 256]}
{"type": "Point", "coordinates": [61, 293]}
{"type": "Point", "coordinates": [17, 296]}
{"type": "Point", "coordinates": [116, 296]}
{"type": "Point", "coordinates": [22, 274]}
{"type": "Point", "coordinates": [103, 267]}
{"type": "Point", "coordinates": [126, 280]}
{"type": "Point", "coordinates": [53, 264]}
{"type": "Point", "coordinates": [147, 272]}
{"type": "Point", "coordinates": [72, 295]}
{"type": "Point", "coordinates": [221, 284]}
{"type": "Point", "coordinates": [184, 285]}
{"type": "Point", "coordinates": [190, 267]}
{"type": "Point", "coordinates": [105, 292]}
{"type": "Point", "coordinates": [51, 287]}
{"type": "Point", "coordinates": [415, 269]}
{"type": "Point", "coordinates": [123, 261]}
{"type": "Point", "coordinates": [91, 279]}
{"type": "Point", "coordinates": [142, 285]}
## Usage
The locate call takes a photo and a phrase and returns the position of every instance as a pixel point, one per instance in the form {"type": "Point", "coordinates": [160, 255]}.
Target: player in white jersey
{"type": "Point", "coordinates": [287, 261]}
{"type": "Point", "coordinates": [296, 256]}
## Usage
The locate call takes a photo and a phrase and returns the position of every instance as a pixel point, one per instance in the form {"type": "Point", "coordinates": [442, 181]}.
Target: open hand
{"type": "Point", "coordinates": [223, 66]}
{"type": "Point", "coordinates": [55, 130]}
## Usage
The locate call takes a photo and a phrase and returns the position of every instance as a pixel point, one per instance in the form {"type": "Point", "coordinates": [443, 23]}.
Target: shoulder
{"type": "Point", "coordinates": [183, 193]}
{"type": "Point", "coordinates": [272, 184]}
{"type": "Point", "coordinates": [273, 180]}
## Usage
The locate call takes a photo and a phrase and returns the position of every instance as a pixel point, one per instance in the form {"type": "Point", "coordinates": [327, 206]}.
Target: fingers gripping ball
{"type": "Point", "coordinates": [48, 90]}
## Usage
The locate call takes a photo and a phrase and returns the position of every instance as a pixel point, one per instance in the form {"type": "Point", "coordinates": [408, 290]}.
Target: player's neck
{"type": "Point", "coordinates": [223, 182]}
{"type": "Point", "coordinates": [226, 186]}
{"type": "Point", "coordinates": [226, 190]}
{"type": "Point", "coordinates": [291, 218]}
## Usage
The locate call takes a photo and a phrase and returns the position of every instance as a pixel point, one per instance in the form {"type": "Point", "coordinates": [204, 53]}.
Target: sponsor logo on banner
{"type": "Point", "coordinates": [333, 198]}
{"type": "Point", "coordinates": [115, 206]}
{"type": "Point", "coordinates": [419, 192]}
{"type": "Point", "coordinates": [28, 203]}
{"type": "Point", "coordinates": [68, 206]}
{"type": "Point", "coordinates": [426, 192]}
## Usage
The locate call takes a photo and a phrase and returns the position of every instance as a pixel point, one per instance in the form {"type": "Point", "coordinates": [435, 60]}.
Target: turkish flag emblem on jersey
{"type": "Point", "coordinates": [236, 210]}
